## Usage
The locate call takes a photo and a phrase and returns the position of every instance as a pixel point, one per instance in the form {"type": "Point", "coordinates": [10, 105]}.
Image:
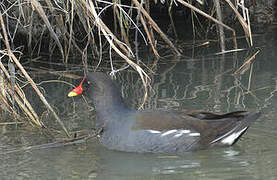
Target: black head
{"type": "Point", "coordinates": [97, 85]}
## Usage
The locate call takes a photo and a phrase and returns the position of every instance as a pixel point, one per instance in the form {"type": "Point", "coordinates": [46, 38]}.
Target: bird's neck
{"type": "Point", "coordinates": [109, 109]}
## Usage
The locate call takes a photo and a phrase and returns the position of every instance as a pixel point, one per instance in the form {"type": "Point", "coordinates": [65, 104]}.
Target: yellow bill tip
{"type": "Point", "coordinates": [71, 94]}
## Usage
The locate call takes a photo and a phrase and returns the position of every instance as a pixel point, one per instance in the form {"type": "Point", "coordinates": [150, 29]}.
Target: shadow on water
{"type": "Point", "coordinates": [202, 82]}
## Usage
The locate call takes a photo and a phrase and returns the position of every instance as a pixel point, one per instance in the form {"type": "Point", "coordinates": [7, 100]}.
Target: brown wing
{"type": "Point", "coordinates": [163, 120]}
{"type": "Point", "coordinates": [196, 120]}
{"type": "Point", "coordinates": [209, 125]}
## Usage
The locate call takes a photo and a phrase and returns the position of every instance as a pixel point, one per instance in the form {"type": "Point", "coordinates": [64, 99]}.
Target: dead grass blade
{"type": "Point", "coordinates": [212, 19]}
{"type": "Point", "coordinates": [156, 27]}
{"type": "Point", "coordinates": [70, 31]}
{"type": "Point", "coordinates": [149, 37]}
{"type": "Point", "coordinates": [25, 106]}
{"type": "Point", "coordinates": [30, 80]}
{"type": "Point", "coordinates": [5, 106]}
{"type": "Point", "coordinates": [99, 22]}
{"type": "Point", "coordinates": [43, 16]}
{"type": "Point", "coordinates": [122, 29]}
{"type": "Point", "coordinates": [144, 77]}
{"type": "Point", "coordinates": [240, 18]}
{"type": "Point", "coordinates": [10, 123]}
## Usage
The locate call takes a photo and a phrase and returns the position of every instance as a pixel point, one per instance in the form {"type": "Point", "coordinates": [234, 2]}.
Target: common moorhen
{"type": "Point", "coordinates": [158, 131]}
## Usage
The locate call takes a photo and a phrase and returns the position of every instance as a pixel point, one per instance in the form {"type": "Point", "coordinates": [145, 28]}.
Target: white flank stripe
{"type": "Point", "coordinates": [185, 131]}
{"type": "Point", "coordinates": [169, 132]}
{"type": "Point", "coordinates": [154, 131]}
{"type": "Point", "coordinates": [181, 132]}
{"type": "Point", "coordinates": [230, 139]}
{"type": "Point", "coordinates": [178, 135]}
{"type": "Point", "coordinates": [194, 134]}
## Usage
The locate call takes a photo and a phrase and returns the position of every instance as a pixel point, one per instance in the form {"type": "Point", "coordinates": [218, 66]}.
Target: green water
{"type": "Point", "coordinates": [203, 82]}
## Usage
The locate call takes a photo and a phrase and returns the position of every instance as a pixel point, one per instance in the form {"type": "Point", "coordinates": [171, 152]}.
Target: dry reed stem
{"type": "Point", "coordinates": [7, 105]}
{"type": "Point", "coordinates": [30, 80]}
{"type": "Point", "coordinates": [115, 19]}
{"type": "Point", "coordinates": [249, 28]}
{"type": "Point", "coordinates": [248, 23]}
{"type": "Point", "coordinates": [23, 107]}
{"type": "Point", "coordinates": [61, 26]}
{"type": "Point", "coordinates": [240, 18]}
{"type": "Point", "coordinates": [43, 16]}
{"type": "Point", "coordinates": [212, 19]}
{"type": "Point", "coordinates": [35, 118]}
{"type": "Point", "coordinates": [122, 30]}
{"type": "Point", "coordinates": [103, 25]}
{"type": "Point", "coordinates": [10, 123]}
{"type": "Point", "coordinates": [74, 43]}
{"type": "Point", "coordinates": [156, 27]}
{"type": "Point", "coordinates": [149, 37]}
{"type": "Point", "coordinates": [246, 63]}
{"type": "Point", "coordinates": [171, 19]}
{"type": "Point", "coordinates": [229, 51]}
{"type": "Point", "coordinates": [70, 32]}
{"type": "Point", "coordinates": [147, 8]}
{"type": "Point", "coordinates": [250, 77]}
{"type": "Point", "coordinates": [49, 5]}
{"type": "Point", "coordinates": [220, 28]}
{"type": "Point", "coordinates": [144, 77]}
{"type": "Point", "coordinates": [30, 19]}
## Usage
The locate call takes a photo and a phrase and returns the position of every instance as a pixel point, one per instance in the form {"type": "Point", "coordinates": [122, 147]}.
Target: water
{"type": "Point", "coordinates": [204, 82]}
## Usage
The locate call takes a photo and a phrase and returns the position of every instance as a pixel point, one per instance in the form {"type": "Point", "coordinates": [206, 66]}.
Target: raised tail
{"type": "Point", "coordinates": [232, 136]}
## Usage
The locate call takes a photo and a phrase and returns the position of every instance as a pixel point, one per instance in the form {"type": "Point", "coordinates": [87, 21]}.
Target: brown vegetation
{"type": "Point", "coordinates": [78, 27]}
